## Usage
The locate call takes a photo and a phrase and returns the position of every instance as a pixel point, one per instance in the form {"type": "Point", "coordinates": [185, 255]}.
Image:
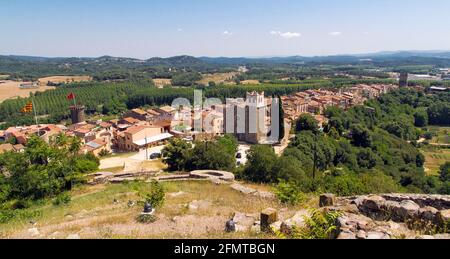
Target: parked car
{"type": "Point", "coordinates": [155, 156]}
{"type": "Point", "coordinates": [239, 156]}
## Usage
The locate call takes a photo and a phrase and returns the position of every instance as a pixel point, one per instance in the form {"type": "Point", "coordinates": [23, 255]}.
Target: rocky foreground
{"type": "Point", "coordinates": [388, 216]}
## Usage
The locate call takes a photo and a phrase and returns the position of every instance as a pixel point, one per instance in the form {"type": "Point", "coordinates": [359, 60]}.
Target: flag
{"type": "Point", "coordinates": [28, 108]}
{"type": "Point", "coordinates": [71, 96]}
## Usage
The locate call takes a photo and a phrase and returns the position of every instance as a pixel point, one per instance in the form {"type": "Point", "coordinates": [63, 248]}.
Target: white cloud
{"type": "Point", "coordinates": [227, 33]}
{"type": "Point", "coordinates": [179, 29]}
{"type": "Point", "coordinates": [335, 33]}
{"type": "Point", "coordinates": [286, 35]}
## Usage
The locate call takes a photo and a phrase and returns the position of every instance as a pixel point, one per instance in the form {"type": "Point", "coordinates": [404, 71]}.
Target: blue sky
{"type": "Point", "coordinates": [148, 28]}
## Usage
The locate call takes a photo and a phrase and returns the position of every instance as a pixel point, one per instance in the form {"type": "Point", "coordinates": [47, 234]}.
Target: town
{"type": "Point", "coordinates": [139, 129]}
{"type": "Point", "coordinates": [214, 122]}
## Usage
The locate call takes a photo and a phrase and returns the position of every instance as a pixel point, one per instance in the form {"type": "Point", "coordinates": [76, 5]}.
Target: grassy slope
{"type": "Point", "coordinates": [92, 213]}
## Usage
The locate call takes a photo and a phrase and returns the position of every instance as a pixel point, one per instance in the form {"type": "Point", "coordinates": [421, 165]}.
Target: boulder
{"type": "Point", "coordinates": [443, 217]}
{"type": "Point", "coordinates": [373, 203]}
{"type": "Point", "coordinates": [297, 221]}
{"type": "Point", "coordinates": [346, 235]}
{"type": "Point", "coordinates": [276, 227]}
{"type": "Point", "coordinates": [327, 200]}
{"type": "Point", "coordinates": [243, 219]}
{"type": "Point", "coordinates": [377, 235]}
{"type": "Point", "coordinates": [242, 189]}
{"type": "Point", "coordinates": [428, 214]}
{"type": "Point", "coordinates": [361, 234]}
{"type": "Point", "coordinates": [268, 217]}
{"type": "Point", "coordinates": [406, 210]}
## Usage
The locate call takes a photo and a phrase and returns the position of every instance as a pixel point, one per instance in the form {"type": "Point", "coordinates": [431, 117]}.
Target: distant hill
{"type": "Point", "coordinates": [32, 67]}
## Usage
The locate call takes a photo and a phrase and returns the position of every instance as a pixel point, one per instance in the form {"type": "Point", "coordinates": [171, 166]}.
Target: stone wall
{"type": "Point", "coordinates": [390, 216]}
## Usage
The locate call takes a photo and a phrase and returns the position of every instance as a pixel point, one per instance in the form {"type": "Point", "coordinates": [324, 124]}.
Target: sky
{"type": "Point", "coordinates": [228, 28]}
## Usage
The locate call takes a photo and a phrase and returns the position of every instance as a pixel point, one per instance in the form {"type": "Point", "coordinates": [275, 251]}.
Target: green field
{"type": "Point", "coordinates": [435, 157]}
{"type": "Point", "coordinates": [442, 135]}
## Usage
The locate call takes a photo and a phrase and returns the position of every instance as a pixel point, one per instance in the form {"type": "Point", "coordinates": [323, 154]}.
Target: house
{"type": "Point", "coordinates": [138, 114]}
{"type": "Point", "coordinates": [129, 121]}
{"type": "Point", "coordinates": [437, 89]}
{"type": "Point", "coordinates": [137, 138]}
{"type": "Point", "coordinates": [98, 146]}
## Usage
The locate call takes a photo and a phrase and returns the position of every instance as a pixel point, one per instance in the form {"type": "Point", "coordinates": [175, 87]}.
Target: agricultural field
{"type": "Point", "coordinates": [218, 78]}
{"type": "Point", "coordinates": [250, 82]}
{"type": "Point", "coordinates": [161, 82]}
{"type": "Point", "coordinates": [63, 79]}
{"type": "Point", "coordinates": [10, 90]}
{"type": "Point", "coordinates": [441, 135]}
{"type": "Point", "coordinates": [193, 209]}
{"type": "Point", "coordinates": [435, 157]}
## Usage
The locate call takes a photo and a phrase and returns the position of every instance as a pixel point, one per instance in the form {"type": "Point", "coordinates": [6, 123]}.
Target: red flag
{"type": "Point", "coordinates": [71, 96]}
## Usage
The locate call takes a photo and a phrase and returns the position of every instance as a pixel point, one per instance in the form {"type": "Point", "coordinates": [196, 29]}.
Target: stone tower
{"type": "Point", "coordinates": [403, 79]}
{"type": "Point", "coordinates": [77, 114]}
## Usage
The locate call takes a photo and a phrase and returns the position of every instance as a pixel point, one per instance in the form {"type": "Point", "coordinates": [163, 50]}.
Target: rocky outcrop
{"type": "Point", "coordinates": [392, 216]}
{"type": "Point", "coordinates": [250, 191]}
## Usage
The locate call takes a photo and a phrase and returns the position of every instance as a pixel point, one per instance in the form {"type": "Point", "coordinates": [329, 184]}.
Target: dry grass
{"type": "Point", "coordinates": [10, 89]}
{"type": "Point", "coordinates": [92, 213]}
{"type": "Point", "coordinates": [63, 79]}
{"type": "Point", "coordinates": [250, 82]}
{"type": "Point", "coordinates": [161, 82]}
{"type": "Point", "coordinates": [218, 78]}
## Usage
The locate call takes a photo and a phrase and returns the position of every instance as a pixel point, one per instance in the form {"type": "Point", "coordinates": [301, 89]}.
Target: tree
{"type": "Point", "coordinates": [445, 172]}
{"type": "Point", "coordinates": [261, 161]}
{"type": "Point", "coordinates": [211, 155]}
{"type": "Point", "coordinates": [421, 118]}
{"type": "Point", "coordinates": [175, 154]}
{"type": "Point", "coordinates": [44, 169]}
{"type": "Point", "coordinates": [157, 194]}
{"type": "Point", "coordinates": [361, 136]}
{"type": "Point", "coordinates": [439, 114]}
{"type": "Point", "coordinates": [306, 122]}
{"type": "Point", "coordinates": [288, 168]}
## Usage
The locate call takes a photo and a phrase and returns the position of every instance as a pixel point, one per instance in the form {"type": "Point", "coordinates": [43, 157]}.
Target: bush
{"type": "Point", "coordinates": [146, 219]}
{"type": "Point", "coordinates": [157, 195]}
{"type": "Point", "coordinates": [319, 225]}
{"type": "Point", "coordinates": [62, 199]}
{"type": "Point", "coordinates": [289, 193]}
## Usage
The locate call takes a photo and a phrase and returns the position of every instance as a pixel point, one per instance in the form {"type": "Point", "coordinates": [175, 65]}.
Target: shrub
{"type": "Point", "coordinates": [146, 219]}
{"type": "Point", "coordinates": [319, 225]}
{"type": "Point", "coordinates": [62, 199]}
{"type": "Point", "coordinates": [157, 195]}
{"type": "Point", "coordinates": [289, 193]}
